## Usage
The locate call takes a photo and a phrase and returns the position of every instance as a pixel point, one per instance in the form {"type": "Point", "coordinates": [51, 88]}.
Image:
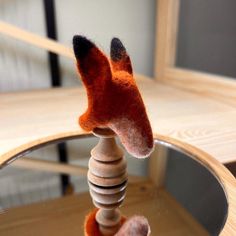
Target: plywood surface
{"type": "Point", "coordinates": [65, 216]}
{"type": "Point", "coordinates": [31, 118]}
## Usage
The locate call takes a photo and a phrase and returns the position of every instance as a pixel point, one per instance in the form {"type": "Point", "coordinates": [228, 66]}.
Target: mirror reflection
{"type": "Point", "coordinates": [192, 201]}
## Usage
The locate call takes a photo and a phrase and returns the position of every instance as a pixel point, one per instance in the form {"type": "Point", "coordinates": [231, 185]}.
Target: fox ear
{"type": "Point", "coordinates": [92, 63]}
{"type": "Point", "coordinates": [119, 58]}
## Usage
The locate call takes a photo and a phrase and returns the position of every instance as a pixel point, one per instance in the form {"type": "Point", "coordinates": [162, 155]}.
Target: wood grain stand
{"type": "Point", "coordinates": [107, 178]}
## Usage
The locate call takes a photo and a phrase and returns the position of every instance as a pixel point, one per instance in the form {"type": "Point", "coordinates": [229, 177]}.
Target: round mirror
{"type": "Point", "coordinates": [191, 202]}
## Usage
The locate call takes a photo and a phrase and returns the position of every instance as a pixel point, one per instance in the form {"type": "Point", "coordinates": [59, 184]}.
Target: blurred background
{"type": "Point", "coordinates": [206, 42]}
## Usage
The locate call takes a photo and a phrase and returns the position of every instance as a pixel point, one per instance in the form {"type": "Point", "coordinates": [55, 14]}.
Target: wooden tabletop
{"type": "Point", "coordinates": [35, 117]}
{"type": "Point", "coordinates": [196, 122]}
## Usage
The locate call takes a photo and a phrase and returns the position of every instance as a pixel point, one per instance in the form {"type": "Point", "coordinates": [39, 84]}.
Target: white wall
{"type": "Point", "coordinates": [22, 66]}
{"type": "Point", "coordinates": [130, 20]}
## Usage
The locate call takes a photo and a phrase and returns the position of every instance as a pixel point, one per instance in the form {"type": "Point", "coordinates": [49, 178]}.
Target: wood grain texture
{"type": "Point", "coordinates": [32, 118]}
{"type": "Point", "coordinates": [65, 216]}
{"type": "Point", "coordinates": [107, 178]}
{"type": "Point", "coordinates": [220, 87]}
{"type": "Point", "coordinates": [166, 36]}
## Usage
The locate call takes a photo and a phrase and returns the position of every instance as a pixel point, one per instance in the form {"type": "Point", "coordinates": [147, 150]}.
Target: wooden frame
{"type": "Point", "coordinates": [221, 87]}
{"type": "Point", "coordinates": [35, 40]}
{"type": "Point", "coordinates": [165, 71]}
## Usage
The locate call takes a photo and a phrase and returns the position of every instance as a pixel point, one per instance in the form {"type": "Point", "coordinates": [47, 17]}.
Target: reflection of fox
{"type": "Point", "coordinates": [113, 97]}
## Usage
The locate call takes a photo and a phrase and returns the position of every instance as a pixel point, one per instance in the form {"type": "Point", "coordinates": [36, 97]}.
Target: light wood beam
{"type": "Point", "coordinates": [55, 167]}
{"type": "Point", "coordinates": [36, 40]}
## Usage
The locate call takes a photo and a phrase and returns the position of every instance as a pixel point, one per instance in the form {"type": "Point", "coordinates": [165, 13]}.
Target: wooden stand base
{"type": "Point", "coordinates": [91, 227]}
{"type": "Point", "coordinates": [107, 178]}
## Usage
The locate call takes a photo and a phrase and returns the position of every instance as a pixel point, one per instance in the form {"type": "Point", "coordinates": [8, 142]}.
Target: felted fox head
{"type": "Point", "coordinates": [113, 98]}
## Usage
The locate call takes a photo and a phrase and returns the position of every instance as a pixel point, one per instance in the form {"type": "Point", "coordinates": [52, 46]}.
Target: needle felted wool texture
{"type": "Point", "coordinates": [134, 226]}
{"type": "Point", "coordinates": [114, 100]}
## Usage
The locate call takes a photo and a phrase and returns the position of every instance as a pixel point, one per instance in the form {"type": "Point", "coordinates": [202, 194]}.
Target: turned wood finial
{"type": "Point", "coordinates": [107, 178]}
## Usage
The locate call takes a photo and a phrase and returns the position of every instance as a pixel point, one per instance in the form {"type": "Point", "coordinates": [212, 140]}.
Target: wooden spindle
{"type": "Point", "coordinates": [107, 178]}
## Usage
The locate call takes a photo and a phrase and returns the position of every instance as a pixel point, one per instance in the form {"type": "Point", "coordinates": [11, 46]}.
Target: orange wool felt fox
{"type": "Point", "coordinates": [113, 98]}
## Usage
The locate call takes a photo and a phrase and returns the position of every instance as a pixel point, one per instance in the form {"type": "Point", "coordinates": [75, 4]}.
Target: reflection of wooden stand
{"type": "Point", "coordinates": [107, 178]}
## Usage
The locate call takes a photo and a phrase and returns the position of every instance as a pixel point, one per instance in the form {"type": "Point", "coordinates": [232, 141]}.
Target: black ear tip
{"type": "Point", "coordinates": [77, 39]}
{"type": "Point", "coordinates": [81, 46]}
{"type": "Point", "coordinates": [115, 40]}
{"type": "Point", "coordinates": [117, 44]}
{"type": "Point", "coordinates": [117, 49]}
